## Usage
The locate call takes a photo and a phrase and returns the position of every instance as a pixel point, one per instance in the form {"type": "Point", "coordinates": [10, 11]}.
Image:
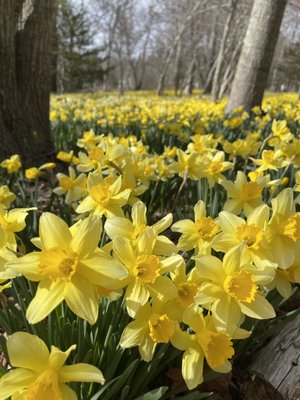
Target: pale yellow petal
{"type": "Point", "coordinates": [54, 232]}
{"type": "Point", "coordinates": [80, 296]}
{"type": "Point", "coordinates": [260, 308]}
{"type": "Point", "coordinates": [87, 204]}
{"type": "Point", "coordinates": [134, 333]}
{"type": "Point", "coordinates": [48, 296]}
{"type": "Point", "coordinates": [27, 265]}
{"type": "Point", "coordinates": [170, 263]}
{"type": "Point", "coordinates": [81, 373]}
{"type": "Point", "coordinates": [199, 210]}
{"type": "Point", "coordinates": [103, 271]}
{"type": "Point", "coordinates": [229, 222]}
{"type": "Point", "coordinates": [164, 246]}
{"type": "Point", "coordinates": [163, 224]}
{"type": "Point", "coordinates": [210, 268]}
{"type": "Point", "coordinates": [138, 214]}
{"type": "Point", "coordinates": [87, 236]}
{"type": "Point", "coordinates": [232, 260]}
{"type": "Point", "coordinates": [192, 367]}
{"type": "Point", "coordinates": [136, 296]}
{"type": "Point", "coordinates": [57, 357]}
{"type": "Point", "coordinates": [14, 381]}
{"type": "Point", "coordinates": [67, 393]}
{"type": "Point", "coordinates": [147, 349]}
{"type": "Point", "coordinates": [163, 289]}
{"type": "Point", "coordinates": [184, 226]}
{"type": "Point", "coordinates": [146, 241]}
{"type": "Point", "coordinates": [117, 226]}
{"type": "Point", "coordinates": [123, 249]}
{"type": "Point", "coordinates": [27, 351]}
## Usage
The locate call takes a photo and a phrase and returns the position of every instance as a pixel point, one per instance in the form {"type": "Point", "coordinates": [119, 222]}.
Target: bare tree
{"type": "Point", "coordinates": [171, 51]}
{"type": "Point", "coordinates": [219, 61]}
{"type": "Point", "coordinates": [257, 52]}
{"type": "Point", "coordinates": [25, 78]}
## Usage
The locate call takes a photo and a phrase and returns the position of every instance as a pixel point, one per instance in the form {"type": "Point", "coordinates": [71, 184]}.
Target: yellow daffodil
{"type": "Point", "coordinates": [202, 144]}
{"type": "Point", "coordinates": [86, 163]}
{"type": "Point", "coordinates": [187, 165]}
{"type": "Point", "coordinates": [40, 374]}
{"type": "Point", "coordinates": [145, 269]}
{"type": "Point", "coordinates": [271, 160]}
{"type": "Point", "coordinates": [33, 173]}
{"type": "Point", "coordinates": [250, 236]}
{"type": "Point", "coordinates": [67, 267]}
{"type": "Point", "coordinates": [11, 222]}
{"type": "Point", "coordinates": [280, 132]}
{"type": "Point", "coordinates": [197, 234]}
{"type": "Point", "coordinates": [74, 187]}
{"type": "Point", "coordinates": [205, 343]}
{"type": "Point", "coordinates": [213, 166]}
{"type": "Point", "coordinates": [12, 164]}
{"type": "Point", "coordinates": [105, 196]}
{"type": "Point", "coordinates": [231, 290]}
{"type": "Point", "coordinates": [89, 139]}
{"type": "Point", "coordinates": [65, 157]}
{"type": "Point", "coordinates": [47, 166]}
{"type": "Point", "coordinates": [150, 327]}
{"type": "Point", "coordinates": [283, 230]}
{"type": "Point", "coordinates": [242, 147]}
{"type": "Point", "coordinates": [243, 196]}
{"type": "Point", "coordinates": [187, 285]}
{"type": "Point", "coordinates": [6, 196]}
{"type": "Point", "coordinates": [118, 226]}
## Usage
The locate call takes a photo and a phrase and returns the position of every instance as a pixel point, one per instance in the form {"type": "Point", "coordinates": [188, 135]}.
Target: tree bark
{"type": "Point", "coordinates": [257, 53]}
{"type": "Point", "coordinates": [278, 362]}
{"type": "Point", "coordinates": [25, 78]}
{"type": "Point", "coordinates": [220, 57]}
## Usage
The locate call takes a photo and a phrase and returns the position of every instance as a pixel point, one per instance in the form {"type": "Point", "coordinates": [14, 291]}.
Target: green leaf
{"type": "Point", "coordinates": [196, 396]}
{"type": "Point", "coordinates": [114, 387]}
{"type": "Point", "coordinates": [155, 394]}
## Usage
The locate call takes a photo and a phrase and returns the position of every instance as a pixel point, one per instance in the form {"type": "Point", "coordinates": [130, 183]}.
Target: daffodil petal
{"type": "Point", "coordinates": [146, 241]}
{"type": "Point", "coordinates": [163, 289]}
{"type": "Point", "coordinates": [123, 249]}
{"type": "Point", "coordinates": [81, 297]}
{"type": "Point", "coordinates": [170, 263]}
{"type": "Point", "coordinates": [54, 232]}
{"type": "Point", "coordinates": [67, 393]}
{"type": "Point", "coordinates": [192, 367]}
{"type": "Point", "coordinates": [27, 351]}
{"type": "Point", "coordinates": [81, 373]}
{"type": "Point", "coordinates": [133, 334]}
{"type": "Point", "coordinates": [163, 224]}
{"type": "Point", "coordinates": [138, 214]}
{"type": "Point", "coordinates": [48, 296]}
{"type": "Point", "coordinates": [87, 236]}
{"type": "Point", "coordinates": [260, 308]}
{"type": "Point", "coordinates": [136, 296]}
{"type": "Point", "coordinates": [27, 265]}
{"type": "Point", "coordinates": [164, 246]}
{"type": "Point", "coordinates": [117, 226]}
{"type": "Point", "coordinates": [14, 381]}
{"type": "Point", "coordinates": [147, 349]}
{"type": "Point", "coordinates": [103, 271]}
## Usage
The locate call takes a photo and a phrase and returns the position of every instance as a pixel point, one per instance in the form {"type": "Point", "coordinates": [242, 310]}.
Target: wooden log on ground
{"type": "Point", "coordinates": [278, 363]}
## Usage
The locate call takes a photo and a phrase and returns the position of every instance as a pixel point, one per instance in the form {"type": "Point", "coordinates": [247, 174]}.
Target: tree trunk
{"type": "Point", "coordinates": [220, 57]}
{"type": "Point", "coordinates": [188, 89]}
{"type": "Point", "coordinates": [25, 78]}
{"type": "Point", "coordinates": [257, 53]}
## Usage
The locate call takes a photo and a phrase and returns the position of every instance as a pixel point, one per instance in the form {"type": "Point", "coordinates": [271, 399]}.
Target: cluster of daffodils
{"type": "Point", "coordinates": [191, 282]}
